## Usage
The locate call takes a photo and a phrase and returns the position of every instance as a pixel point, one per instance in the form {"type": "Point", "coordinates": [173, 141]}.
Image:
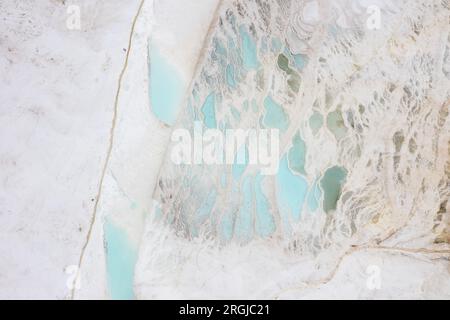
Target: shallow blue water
{"type": "Point", "coordinates": [249, 50]}
{"type": "Point", "coordinates": [291, 192]}
{"type": "Point", "coordinates": [209, 111]}
{"type": "Point", "coordinates": [276, 45]}
{"type": "Point", "coordinates": [231, 81]}
{"type": "Point", "coordinates": [166, 87]}
{"type": "Point", "coordinates": [314, 197]}
{"type": "Point", "coordinates": [254, 106]}
{"type": "Point", "coordinates": [331, 184]}
{"type": "Point", "coordinates": [219, 48]}
{"type": "Point", "coordinates": [121, 258]}
{"type": "Point", "coordinates": [316, 122]}
{"type": "Point", "coordinates": [297, 154]}
{"type": "Point", "coordinates": [299, 61]}
{"type": "Point", "coordinates": [335, 124]}
{"type": "Point", "coordinates": [275, 117]}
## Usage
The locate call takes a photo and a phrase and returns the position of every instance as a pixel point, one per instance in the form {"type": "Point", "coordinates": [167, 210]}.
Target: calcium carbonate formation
{"type": "Point", "coordinates": [360, 95]}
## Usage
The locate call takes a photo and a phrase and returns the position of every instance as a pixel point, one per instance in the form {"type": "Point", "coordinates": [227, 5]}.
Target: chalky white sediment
{"type": "Point", "coordinates": [391, 87]}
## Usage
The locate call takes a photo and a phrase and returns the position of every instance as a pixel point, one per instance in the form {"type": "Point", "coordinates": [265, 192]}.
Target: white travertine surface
{"type": "Point", "coordinates": [359, 207]}
{"type": "Point", "coordinates": [88, 191]}
{"type": "Point", "coordinates": [57, 89]}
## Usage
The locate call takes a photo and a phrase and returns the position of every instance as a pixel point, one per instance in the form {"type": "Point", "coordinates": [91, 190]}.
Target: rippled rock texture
{"type": "Point", "coordinates": [361, 97]}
